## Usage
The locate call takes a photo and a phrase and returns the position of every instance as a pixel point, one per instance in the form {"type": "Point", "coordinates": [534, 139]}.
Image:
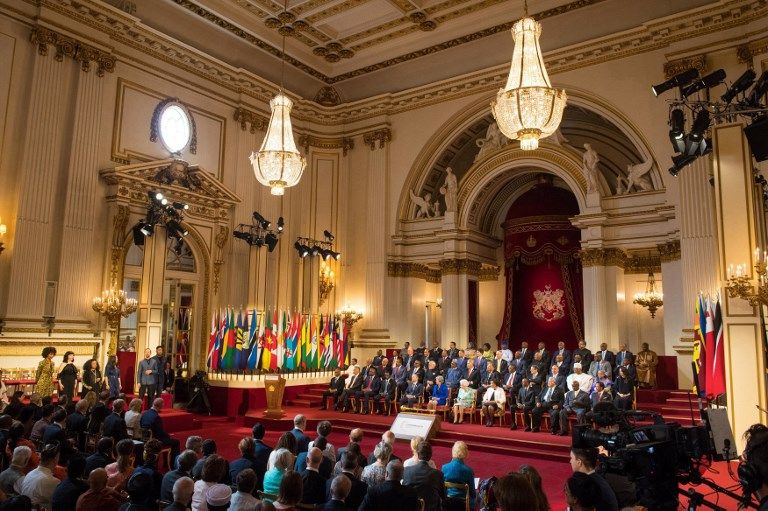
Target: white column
{"type": "Point", "coordinates": [677, 312]}
{"type": "Point", "coordinates": [603, 285]}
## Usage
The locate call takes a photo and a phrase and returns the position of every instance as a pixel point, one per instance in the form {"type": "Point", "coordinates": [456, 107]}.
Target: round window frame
{"type": "Point", "coordinates": [190, 126]}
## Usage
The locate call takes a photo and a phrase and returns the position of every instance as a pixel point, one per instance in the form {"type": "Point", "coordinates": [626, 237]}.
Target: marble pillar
{"type": "Point", "coordinates": [603, 290]}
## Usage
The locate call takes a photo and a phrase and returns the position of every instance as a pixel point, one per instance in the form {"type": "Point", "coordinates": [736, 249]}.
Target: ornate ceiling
{"type": "Point", "coordinates": [350, 43]}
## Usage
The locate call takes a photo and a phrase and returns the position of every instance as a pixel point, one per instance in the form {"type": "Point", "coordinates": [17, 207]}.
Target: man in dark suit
{"type": "Point", "coordinates": [335, 388]}
{"type": "Point", "coordinates": [586, 355]}
{"type": "Point", "coordinates": [576, 403]}
{"type": "Point", "coordinates": [428, 482]}
{"type": "Point", "coordinates": [99, 412]}
{"type": "Point", "coordinates": [400, 374]}
{"type": "Point", "coordinates": [151, 420]}
{"type": "Point", "coordinates": [367, 367]}
{"type": "Point", "coordinates": [536, 379]}
{"type": "Point", "coordinates": [186, 461]}
{"type": "Point", "coordinates": [355, 437]}
{"type": "Point", "coordinates": [77, 424]}
{"type": "Point", "coordinates": [378, 358]}
{"type": "Point", "coordinates": [511, 383]}
{"type": "Point", "coordinates": [386, 393]}
{"type": "Point", "coordinates": [622, 354]}
{"type": "Point", "coordinates": [340, 487]}
{"type": "Point", "coordinates": [302, 440]}
{"type": "Point", "coordinates": [546, 356]}
{"type": "Point", "coordinates": [358, 488]}
{"type": "Point", "coordinates": [606, 355]}
{"type": "Point", "coordinates": [370, 388]}
{"type": "Point", "coordinates": [473, 374]}
{"type": "Point", "coordinates": [550, 400]}
{"type": "Point", "coordinates": [560, 380]}
{"type": "Point", "coordinates": [313, 484]}
{"type": "Point", "coordinates": [55, 432]}
{"type": "Point", "coordinates": [526, 401]}
{"type": "Point", "coordinates": [114, 424]}
{"type": "Point", "coordinates": [351, 388]}
{"type": "Point", "coordinates": [247, 447]}
{"type": "Point", "coordinates": [501, 365]}
{"type": "Point", "coordinates": [390, 494]}
{"type": "Point", "coordinates": [103, 455]}
{"type": "Point", "coordinates": [600, 394]}
{"type": "Point", "coordinates": [526, 353]}
{"type": "Point", "coordinates": [562, 368]}
{"type": "Point", "coordinates": [564, 352]}
{"type": "Point", "coordinates": [417, 369]}
{"type": "Point", "coordinates": [444, 363]}
{"type": "Point", "coordinates": [585, 461]}
{"type": "Point", "coordinates": [261, 452]}
{"type": "Point", "coordinates": [413, 391]}
{"type": "Point", "coordinates": [429, 376]}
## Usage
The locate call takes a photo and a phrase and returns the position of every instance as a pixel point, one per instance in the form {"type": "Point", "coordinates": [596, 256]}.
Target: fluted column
{"type": "Point", "coordinates": [454, 282]}
{"type": "Point", "coordinates": [375, 332]}
{"type": "Point", "coordinates": [603, 282]}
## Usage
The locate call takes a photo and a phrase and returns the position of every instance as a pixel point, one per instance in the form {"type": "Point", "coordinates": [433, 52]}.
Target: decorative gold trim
{"type": "Point", "coordinates": [747, 52]}
{"type": "Point", "coordinates": [69, 47]}
{"type": "Point", "coordinates": [460, 267]}
{"type": "Point", "coordinates": [221, 240]}
{"type": "Point", "coordinates": [677, 66]}
{"type": "Point", "coordinates": [669, 251]}
{"type": "Point", "coordinates": [413, 270]}
{"type": "Point", "coordinates": [343, 143]}
{"type": "Point", "coordinates": [247, 117]}
{"type": "Point", "coordinates": [642, 265]}
{"type": "Point", "coordinates": [327, 96]}
{"type": "Point", "coordinates": [603, 257]}
{"type": "Point", "coordinates": [32, 347]}
{"type": "Point", "coordinates": [382, 136]}
{"type": "Point", "coordinates": [119, 224]}
{"type": "Point", "coordinates": [489, 273]}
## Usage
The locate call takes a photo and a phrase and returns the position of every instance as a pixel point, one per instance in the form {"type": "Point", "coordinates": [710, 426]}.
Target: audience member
{"type": "Point", "coordinates": [40, 483]}
{"type": "Point", "coordinates": [139, 490]}
{"type": "Point", "coordinates": [514, 492]}
{"type": "Point", "coordinates": [414, 459]}
{"type": "Point", "coordinates": [186, 461]}
{"type": "Point", "coordinates": [16, 469]}
{"type": "Point", "coordinates": [530, 472]}
{"type": "Point", "coordinates": [312, 482]}
{"type": "Point", "coordinates": [340, 487]}
{"type": "Point", "coordinates": [77, 423]}
{"type": "Point", "coordinates": [356, 437]}
{"type": "Point", "coordinates": [243, 499]}
{"type": "Point", "coordinates": [358, 489]}
{"type": "Point", "coordinates": [218, 497]}
{"type": "Point", "coordinates": [119, 471]}
{"type": "Point", "coordinates": [183, 489]}
{"type": "Point", "coordinates": [352, 450]}
{"type": "Point", "coordinates": [324, 429]}
{"type": "Point", "coordinates": [281, 460]}
{"type": "Point", "coordinates": [56, 433]}
{"type": "Point", "coordinates": [214, 469]}
{"type": "Point", "coordinates": [99, 496]}
{"type": "Point", "coordinates": [133, 418]}
{"type": "Point", "coordinates": [428, 482]}
{"type": "Point", "coordinates": [376, 473]}
{"type": "Point", "coordinates": [302, 440]}
{"type": "Point", "coordinates": [209, 449]}
{"type": "Point", "coordinates": [38, 429]}
{"type": "Point", "coordinates": [114, 424]}
{"type": "Point", "coordinates": [457, 471]}
{"type": "Point", "coordinates": [261, 453]}
{"type": "Point", "coordinates": [103, 455]}
{"type": "Point", "coordinates": [151, 420]}
{"type": "Point", "coordinates": [390, 494]}
{"type": "Point", "coordinates": [581, 492]}
{"type": "Point", "coordinates": [388, 437]}
{"type": "Point", "coordinates": [67, 493]}
{"type": "Point", "coordinates": [151, 453]}
{"type": "Point", "coordinates": [16, 439]}
{"type": "Point", "coordinates": [584, 461]}
{"type": "Point", "coordinates": [290, 492]}
{"type": "Point", "coordinates": [288, 441]}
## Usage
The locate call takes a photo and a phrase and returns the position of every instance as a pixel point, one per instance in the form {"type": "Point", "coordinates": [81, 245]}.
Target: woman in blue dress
{"type": "Point", "coordinates": [112, 372]}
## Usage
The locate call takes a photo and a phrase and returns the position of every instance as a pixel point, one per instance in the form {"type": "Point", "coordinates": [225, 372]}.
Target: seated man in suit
{"type": "Point", "coordinates": [562, 368]}
{"type": "Point", "coordinates": [576, 403]}
{"type": "Point", "coordinates": [399, 374]}
{"type": "Point", "coordinates": [152, 421]}
{"type": "Point", "coordinates": [313, 484]}
{"type": "Point", "coordinates": [56, 432]}
{"type": "Point", "coordinates": [621, 355]}
{"type": "Point", "coordinates": [600, 394]}
{"type": "Point", "coordinates": [427, 481]}
{"type": "Point", "coordinates": [429, 376]}
{"type": "Point", "coordinates": [413, 392]}
{"type": "Point", "coordinates": [335, 388]}
{"type": "Point", "coordinates": [390, 494]}
{"type": "Point", "coordinates": [114, 424]}
{"type": "Point", "coordinates": [386, 393]}
{"type": "Point", "coordinates": [559, 378]}
{"type": "Point", "coordinates": [351, 388]}
{"type": "Point", "coordinates": [349, 467]}
{"type": "Point", "coordinates": [550, 400]}
{"type": "Point", "coordinates": [473, 374]}
{"type": "Point", "coordinates": [526, 401]}
{"type": "Point", "coordinates": [536, 379]}
{"type": "Point", "coordinates": [340, 487]}
{"type": "Point", "coordinates": [370, 388]}
{"type": "Point", "coordinates": [561, 351]}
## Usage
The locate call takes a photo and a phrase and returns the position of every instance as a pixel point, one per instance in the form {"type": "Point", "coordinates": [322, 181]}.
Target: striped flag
{"type": "Point", "coordinates": [699, 355]}
{"type": "Point", "coordinates": [306, 345]}
{"type": "Point", "coordinates": [254, 349]}
{"type": "Point", "coordinates": [716, 374]}
{"type": "Point", "coordinates": [314, 348]}
{"type": "Point", "coordinates": [266, 342]}
{"type": "Point", "coordinates": [275, 360]}
{"type": "Point", "coordinates": [239, 339]}
{"type": "Point", "coordinates": [212, 360]}
{"type": "Point", "coordinates": [327, 347]}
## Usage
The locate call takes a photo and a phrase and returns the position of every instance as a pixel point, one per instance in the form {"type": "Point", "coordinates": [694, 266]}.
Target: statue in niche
{"type": "Point", "coordinates": [436, 207]}
{"type": "Point", "coordinates": [637, 178]}
{"type": "Point", "coordinates": [127, 343]}
{"type": "Point", "coordinates": [589, 167]}
{"type": "Point", "coordinates": [424, 207]}
{"type": "Point", "coordinates": [494, 139]}
{"type": "Point", "coordinates": [450, 191]}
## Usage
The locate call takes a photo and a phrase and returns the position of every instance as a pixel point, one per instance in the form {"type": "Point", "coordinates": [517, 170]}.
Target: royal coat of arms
{"type": "Point", "coordinates": [548, 304]}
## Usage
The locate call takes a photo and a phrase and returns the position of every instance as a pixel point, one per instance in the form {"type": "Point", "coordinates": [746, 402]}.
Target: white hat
{"type": "Point", "coordinates": [218, 495]}
{"type": "Point", "coordinates": [577, 366]}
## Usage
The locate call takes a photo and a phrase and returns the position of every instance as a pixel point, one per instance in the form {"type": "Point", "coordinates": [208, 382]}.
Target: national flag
{"type": "Point", "coordinates": [239, 340]}
{"type": "Point", "coordinates": [312, 362]}
{"type": "Point", "coordinates": [266, 342]}
{"type": "Point", "coordinates": [320, 343]}
{"type": "Point", "coordinates": [306, 345]}
{"type": "Point", "coordinates": [341, 339]}
{"type": "Point", "coordinates": [716, 377]}
{"type": "Point", "coordinates": [254, 348]}
{"type": "Point", "coordinates": [327, 348]}
{"type": "Point", "coordinates": [292, 342]}
{"type": "Point", "coordinates": [335, 343]}
{"type": "Point", "coordinates": [212, 360]}
{"type": "Point", "coordinates": [709, 343]}
{"type": "Point", "coordinates": [230, 341]}
{"type": "Point", "coordinates": [346, 345]}
{"type": "Point", "coordinates": [275, 360]}
{"type": "Point", "coordinates": [698, 346]}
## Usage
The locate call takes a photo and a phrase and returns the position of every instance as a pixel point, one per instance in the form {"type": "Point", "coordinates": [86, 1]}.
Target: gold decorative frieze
{"type": "Point", "coordinates": [489, 273]}
{"type": "Point", "coordinates": [343, 143]}
{"type": "Point", "coordinates": [669, 251]}
{"type": "Point", "coordinates": [677, 66]}
{"type": "Point", "coordinates": [382, 136]}
{"type": "Point", "coordinates": [327, 96]}
{"type": "Point", "coordinates": [68, 47]}
{"type": "Point", "coordinates": [33, 347]}
{"type": "Point", "coordinates": [221, 241]}
{"type": "Point", "coordinates": [602, 257]}
{"type": "Point", "coordinates": [413, 270]}
{"type": "Point", "coordinates": [747, 52]}
{"type": "Point", "coordinates": [250, 120]}
{"type": "Point", "coordinates": [460, 267]}
{"type": "Point", "coordinates": [119, 224]}
{"type": "Point", "coordinates": [642, 265]}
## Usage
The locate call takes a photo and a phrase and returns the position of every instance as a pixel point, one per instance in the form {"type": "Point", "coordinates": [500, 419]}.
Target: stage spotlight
{"type": "Point", "coordinates": [739, 86]}
{"type": "Point", "coordinates": [138, 236]}
{"type": "Point", "coordinates": [757, 136]}
{"type": "Point", "coordinates": [245, 236]}
{"type": "Point", "coordinates": [146, 228]}
{"type": "Point", "coordinates": [263, 222]}
{"type": "Point", "coordinates": [257, 241]}
{"type": "Point", "coordinates": [336, 255]}
{"type": "Point", "coordinates": [156, 196]}
{"type": "Point", "coordinates": [678, 80]}
{"type": "Point", "coordinates": [179, 246]}
{"type": "Point", "coordinates": [758, 91]}
{"type": "Point", "coordinates": [280, 224]}
{"type": "Point", "coordinates": [706, 82]}
{"type": "Point", "coordinates": [677, 130]}
{"type": "Point", "coordinates": [315, 250]}
{"type": "Point", "coordinates": [679, 162]}
{"type": "Point", "coordinates": [695, 139]}
{"type": "Point", "coordinates": [303, 250]}
{"type": "Point", "coordinates": [328, 235]}
{"type": "Point", "coordinates": [325, 254]}
{"type": "Point", "coordinates": [271, 241]}
{"type": "Point", "coordinates": [175, 228]}
{"type": "Point", "coordinates": [180, 205]}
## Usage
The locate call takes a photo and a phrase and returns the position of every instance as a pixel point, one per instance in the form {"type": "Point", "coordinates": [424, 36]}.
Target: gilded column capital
{"type": "Point", "coordinates": [382, 136]}
{"type": "Point", "coordinates": [413, 270]}
{"type": "Point", "coordinates": [747, 52]}
{"type": "Point", "coordinates": [602, 257]}
{"type": "Point", "coordinates": [489, 273]}
{"type": "Point", "coordinates": [642, 265]}
{"type": "Point", "coordinates": [460, 267]}
{"type": "Point", "coordinates": [669, 251]}
{"type": "Point", "coordinates": [677, 66]}
{"type": "Point", "coordinates": [343, 143]}
{"type": "Point", "coordinates": [69, 47]}
{"type": "Point", "coordinates": [250, 120]}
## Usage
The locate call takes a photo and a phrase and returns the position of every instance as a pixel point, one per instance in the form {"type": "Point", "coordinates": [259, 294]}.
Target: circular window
{"type": "Point", "coordinates": [175, 128]}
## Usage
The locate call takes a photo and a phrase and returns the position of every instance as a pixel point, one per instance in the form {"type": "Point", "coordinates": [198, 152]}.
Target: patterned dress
{"type": "Point", "coordinates": [44, 375]}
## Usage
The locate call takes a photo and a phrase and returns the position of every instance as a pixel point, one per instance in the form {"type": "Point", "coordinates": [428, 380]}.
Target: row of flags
{"type": "Point", "coordinates": [272, 340]}
{"type": "Point", "coordinates": [708, 347]}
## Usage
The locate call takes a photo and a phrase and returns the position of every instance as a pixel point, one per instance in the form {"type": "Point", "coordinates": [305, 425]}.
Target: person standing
{"type": "Point", "coordinates": [45, 372]}
{"type": "Point", "coordinates": [112, 373]}
{"type": "Point", "coordinates": [92, 379]}
{"type": "Point", "coordinates": [67, 374]}
{"type": "Point", "coordinates": [147, 375]}
{"type": "Point", "coordinates": [160, 360]}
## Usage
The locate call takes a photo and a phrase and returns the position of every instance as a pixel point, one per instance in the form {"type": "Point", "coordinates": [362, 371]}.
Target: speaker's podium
{"type": "Point", "coordinates": [274, 386]}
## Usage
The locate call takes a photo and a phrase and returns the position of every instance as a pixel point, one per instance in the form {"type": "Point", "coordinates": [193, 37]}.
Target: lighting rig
{"type": "Point", "coordinates": [165, 212]}
{"type": "Point", "coordinates": [260, 232]}
{"type": "Point", "coordinates": [737, 101]}
{"type": "Point", "coordinates": [312, 247]}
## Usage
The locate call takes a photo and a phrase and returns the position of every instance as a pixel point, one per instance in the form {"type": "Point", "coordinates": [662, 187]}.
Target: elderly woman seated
{"type": "Point", "coordinates": [465, 399]}
{"type": "Point", "coordinates": [376, 473]}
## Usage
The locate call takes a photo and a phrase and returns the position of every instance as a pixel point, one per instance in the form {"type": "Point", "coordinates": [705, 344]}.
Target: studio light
{"type": "Point", "coordinates": [176, 229]}
{"type": "Point", "coordinates": [679, 162]}
{"type": "Point", "coordinates": [271, 241]}
{"type": "Point", "coordinates": [138, 236]}
{"type": "Point", "coordinates": [706, 82]}
{"type": "Point", "coordinates": [181, 206]}
{"type": "Point", "coordinates": [739, 86]}
{"type": "Point", "coordinates": [245, 236]}
{"type": "Point", "coordinates": [303, 250]}
{"type": "Point", "coordinates": [158, 196]}
{"type": "Point", "coordinates": [677, 130]}
{"type": "Point", "coordinates": [280, 224]}
{"type": "Point", "coordinates": [679, 80]}
{"type": "Point", "coordinates": [328, 235]}
{"type": "Point", "coordinates": [695, 143]}
{"type": "Point", "coordinates": [263, 222]}
{"type": "Point", "coordinates": [336, 255]}
{"type": "Point", "coordinates": [325, 254]}
{"type": "Point", "coordinates": [758, 91]}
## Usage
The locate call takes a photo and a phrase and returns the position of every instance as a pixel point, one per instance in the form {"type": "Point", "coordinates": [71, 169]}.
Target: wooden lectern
{"type": "Point", "coordinates": [274, 386]}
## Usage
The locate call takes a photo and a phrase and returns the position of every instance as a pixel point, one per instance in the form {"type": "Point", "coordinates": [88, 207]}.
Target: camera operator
{"type": "Point", "coordinates": [753, 471]}
{"type": "Point", "coordinates": [584, 460]}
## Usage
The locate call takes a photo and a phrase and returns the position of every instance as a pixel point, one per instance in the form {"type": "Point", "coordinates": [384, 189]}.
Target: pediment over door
{"type": "Point", "coordinates": [206, 196]}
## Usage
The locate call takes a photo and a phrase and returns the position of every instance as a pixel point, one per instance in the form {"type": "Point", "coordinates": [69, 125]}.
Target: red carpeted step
{"type": "Point", "coordinates": [306, 401]}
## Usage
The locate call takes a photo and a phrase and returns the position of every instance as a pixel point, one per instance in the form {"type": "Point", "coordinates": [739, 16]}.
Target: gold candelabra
{"type": "Point", "coordinates": [651, 299]}
{"type": "Point", "coordinates": [350, 316]}
{"type": "Point", "coordinates": [326, 282]}
{"type": "Point", "coordinates": [740, 283]}
{"type": "Point", "coordinates": [113, 305]}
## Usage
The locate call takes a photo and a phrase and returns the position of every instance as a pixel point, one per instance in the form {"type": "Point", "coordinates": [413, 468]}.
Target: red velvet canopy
{"type": "Point", "coordinates": [544, 285]}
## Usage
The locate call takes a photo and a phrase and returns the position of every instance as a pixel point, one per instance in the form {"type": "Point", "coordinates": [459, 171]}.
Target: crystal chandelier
{"type": "Point", "coordinates": [651, 299]}
{"type": "Point", "coordinates": [278, 164]}
{"type": "Point", "coordinates": [113, 305]}
{"type": "Point", "coordinates": [528, 108]}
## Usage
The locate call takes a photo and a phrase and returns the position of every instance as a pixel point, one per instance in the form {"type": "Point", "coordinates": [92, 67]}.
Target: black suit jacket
{"type": "Point", "coordinates": [356, 494]}
{"type": "Point", "coordinates": [567, 358]}
{"type": "Point", "coordinates": [526, 397]}
{"type": "Point", "coordinates": [428, 482]}
{"type": "Point", "coordinates": [388, 388]}
{"type": "Point", "coordinates": [335, 505]}
{"type": "Point", "coordinates": [390, 495]}
{"type": "Point", "coordinates": [557, 397]}
{"type": "Point", "coordinates": [374, 382]}
{"type": "Point", "coordinates": [336, 385]}
{"type": "Point", "coordinates": [528, 355]}
{"type": "Point", "coordinates": [261, 457]}
{"type": "Point", "coordinates": [546, 357]}
{"type": "Point", "coordinates": [608, 357]}
{"type": "Point", "coordinates": [474, 378]}
{"type": "Point", "coordinates": [586, 356]}
{"type": "Point", "coordinates": [114, 426]}
{"type": "Point", "coordinates": [313, 485]}
{"type": "Point", "coordinates": [150, 419]}
{"type": "Point", "coordinates": [355, 384]}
